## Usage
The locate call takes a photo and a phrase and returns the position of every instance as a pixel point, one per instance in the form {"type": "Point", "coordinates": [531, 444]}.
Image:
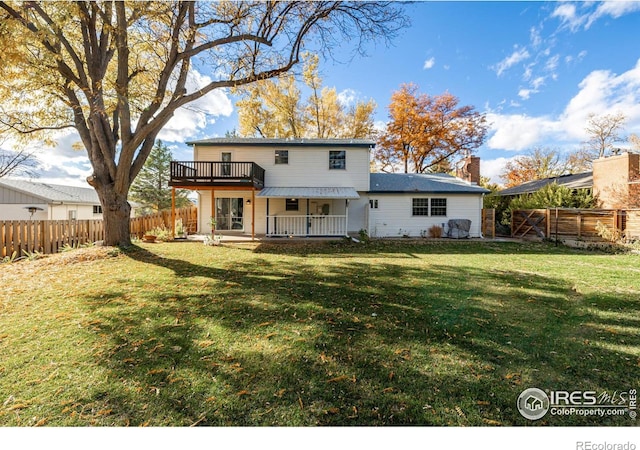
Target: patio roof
{"type": "Point", "coordinates": [309, 192]}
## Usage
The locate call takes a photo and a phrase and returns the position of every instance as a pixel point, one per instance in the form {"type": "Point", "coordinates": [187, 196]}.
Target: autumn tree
{"type": "Point", "coordinates": [151, 186]}
{"type": "Point", "coordinates": [537, 164]}
{"type": "Point", "coordinates": [276, 108]}
{"type": "Point", "coordinates": [604, 131]}
{"type": "Point", "coordinates": [117, 71]}
{"type": "Point", "coordinates": [426, 132]}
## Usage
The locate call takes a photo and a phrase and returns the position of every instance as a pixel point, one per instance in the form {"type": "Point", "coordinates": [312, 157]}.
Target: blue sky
{"type": "Point", "coordinates": [537, 69]}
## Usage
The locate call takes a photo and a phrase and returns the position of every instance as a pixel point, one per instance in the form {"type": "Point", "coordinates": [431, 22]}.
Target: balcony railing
{"type": "Point", "coordinates": [216, 173]}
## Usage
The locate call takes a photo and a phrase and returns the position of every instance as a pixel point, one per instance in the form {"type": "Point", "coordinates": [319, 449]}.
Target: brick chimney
{"type": "Point", "coordinates": [611, 177]}
{"type": "Point", "coordinates": [469, 169]}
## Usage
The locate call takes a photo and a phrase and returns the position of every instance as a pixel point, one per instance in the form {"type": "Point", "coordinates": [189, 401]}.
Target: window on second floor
{"type": "Point", "coordinates": [337, 159]}
{"type": "Point", "coordinates": [97, 209]}
{"type": "Point", "coordinates": [282, 157]}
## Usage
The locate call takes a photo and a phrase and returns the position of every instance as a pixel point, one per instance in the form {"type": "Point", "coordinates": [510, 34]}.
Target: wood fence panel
{"type": "Point", "coordinates": [488, 223]}
{"type": "Point", "coordinates": [574, 223]}
{"type": "Point", "coordinates": [632, 225]}
{"type": "Point", "coordinates": [50, 236]}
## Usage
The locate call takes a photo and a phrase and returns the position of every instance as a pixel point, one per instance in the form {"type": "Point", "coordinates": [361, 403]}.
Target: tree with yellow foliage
{"type": "Point", "coordinates": [117, 71]}
{"type": "Point", "coordinates": [274, 108]}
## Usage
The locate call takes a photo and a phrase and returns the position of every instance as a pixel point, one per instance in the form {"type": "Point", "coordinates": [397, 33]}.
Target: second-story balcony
{"type": "Point", "coordinates": [216, 173]}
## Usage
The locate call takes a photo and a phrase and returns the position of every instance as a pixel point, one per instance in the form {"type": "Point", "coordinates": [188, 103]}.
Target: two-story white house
{"type": "Point", "coordinates": [315, 187]}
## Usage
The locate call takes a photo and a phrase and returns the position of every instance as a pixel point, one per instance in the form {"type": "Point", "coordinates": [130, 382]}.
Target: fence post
{"type": "Point", "coordinates": [579, 224]}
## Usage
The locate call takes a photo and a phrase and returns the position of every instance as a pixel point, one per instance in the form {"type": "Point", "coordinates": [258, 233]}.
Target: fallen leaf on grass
{"type": "Point", "coordinates": [482, 403]}
{"type": "Point", "coordinates": [491, 421]}
{"type": "Point", "coordinates": [242, 393]}
{"type": "Point", "coordinates": [387, 390]}
{"type": "Point", "coordinates": [341, 378]}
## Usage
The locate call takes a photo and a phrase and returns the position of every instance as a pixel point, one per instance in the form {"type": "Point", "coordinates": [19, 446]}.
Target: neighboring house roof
{"type": "Point", "coordinates": [421, 182]}
{"type": "Point", "coordinates": [573, 181]}
{"type": "Point", "coordinates": [53, 193]}
{"type": "Point", "coordinates": [284, 142]}
{"type": "Point", "coordinates": [309, 192]}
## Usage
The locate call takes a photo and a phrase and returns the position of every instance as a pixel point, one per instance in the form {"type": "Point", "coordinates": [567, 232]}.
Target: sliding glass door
{"type": "Point", "coordinates": [229, 214]}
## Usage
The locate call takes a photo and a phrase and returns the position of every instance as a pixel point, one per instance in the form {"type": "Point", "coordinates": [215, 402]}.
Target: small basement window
{"type": "Point", "coordinates": [420, 206]}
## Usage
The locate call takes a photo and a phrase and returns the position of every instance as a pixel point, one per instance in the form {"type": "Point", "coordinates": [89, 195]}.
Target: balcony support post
{"type": "Point", "coordinates": [173, 212]}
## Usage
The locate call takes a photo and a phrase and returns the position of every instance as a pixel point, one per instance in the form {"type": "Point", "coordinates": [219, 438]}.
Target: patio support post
{"type": "Point", "coordinates": [213, 207]}
{"type": "Point", "coordinates": [308, 218]}
{"type": "Point", "coordinates": [253, 214]}
{"type": "Point", "coordinates": [346, 217]}
{"type": "Point", "coordinates": [267, 216]}
{"type": "Point", "coordinates": [173, 211]}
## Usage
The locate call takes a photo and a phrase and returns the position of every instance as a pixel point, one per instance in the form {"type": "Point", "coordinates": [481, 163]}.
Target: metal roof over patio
{"type": "Point", "coordinates": [309, 192]}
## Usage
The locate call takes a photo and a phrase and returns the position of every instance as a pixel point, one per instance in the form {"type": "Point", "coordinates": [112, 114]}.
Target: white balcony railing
{"type": "Point", "coordinates": [312, 225]}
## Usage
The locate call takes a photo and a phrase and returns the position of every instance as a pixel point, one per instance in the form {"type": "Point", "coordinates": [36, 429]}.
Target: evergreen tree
{"type": "Point", "coordinates": [151, 187]}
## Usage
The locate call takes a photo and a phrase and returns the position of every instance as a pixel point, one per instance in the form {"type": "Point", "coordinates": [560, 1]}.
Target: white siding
{"type": "Point", "coordinates": [20, 211]}
{"type": "Point", "coordinates": [358, 213]}
{"type": "Point", "coordinates": [308, 165]}
{"type": "Point", "coordinates": [394, 216]}
{"type": "Point", "coordinates": [82, 212]}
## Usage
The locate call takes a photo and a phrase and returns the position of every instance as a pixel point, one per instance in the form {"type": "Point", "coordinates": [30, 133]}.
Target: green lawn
{"type": "Point", "coordinates": [327, 334]}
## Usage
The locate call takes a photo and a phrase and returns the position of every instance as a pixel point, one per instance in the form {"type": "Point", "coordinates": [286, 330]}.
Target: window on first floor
{"type": "Point", "coordinates": [373, 204]}
{"type": "Point", "coordinates": [292, 204]}
{"type": "Point", "coordinates": [438, 206]}
{"type": "Point", "coordinates": [429, 206]}
{"type": "Point", "coordinates": [97, 209]}
{"type": "Point", "coordinates": [420, 206]}
{"type": "Point", "coordinates": [337, 159]}
{"type": "Point", "coordinates": [73, 214]}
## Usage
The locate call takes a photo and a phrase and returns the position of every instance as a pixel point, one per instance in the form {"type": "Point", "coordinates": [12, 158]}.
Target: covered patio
{"type": "Point", "coordinates": [307, 211]}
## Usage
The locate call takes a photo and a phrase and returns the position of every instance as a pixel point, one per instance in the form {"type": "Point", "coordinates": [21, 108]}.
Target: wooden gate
{"type": "Point", "coordinates": [529, 222]}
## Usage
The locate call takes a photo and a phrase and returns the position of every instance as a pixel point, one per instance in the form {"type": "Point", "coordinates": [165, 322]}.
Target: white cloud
{"type": "Point", "coordinates": [574, 19]}
{"type": "Point", "coordinates": [552, 63]}
{"type": "Point", "coordinates": [524, 94]}
{"type": "Point", "coordinates": [538, 83]}
{"type": "Point", "coordinates": [536, 37]}
{"type": "Point", "coordinates": [614, 9]}
{"type": "Point", "coordinates": [600, 92]}
{"type": "Point", "coordinates": [569, 16]}
{"type": "Point", "coordinates": [347, 97]}
{"type": "Point", "coordinates": [429, 63]}
{"type": "Point", "coordinates": [492, 168]}
{"type": "Point", "coordinates": [194, 117]}
{"type": "Point", "coordinates": [518, 55]}
{"type": "Point", "coordinates": [516, 131]}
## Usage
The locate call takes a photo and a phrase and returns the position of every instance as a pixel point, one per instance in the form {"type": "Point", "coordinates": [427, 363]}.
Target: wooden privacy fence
{"type": "Point", "coordinates": [489, 223]}
{"type": "Point", "coordinates": [49, 236]}
{"type": "Point", "coordinates": [140, 225]}
{"type": "Point", "coordinates": [573, 223]}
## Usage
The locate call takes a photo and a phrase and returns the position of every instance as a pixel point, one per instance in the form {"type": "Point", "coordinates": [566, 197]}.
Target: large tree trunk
{"type": "Point", "coordinates": [115, 212]}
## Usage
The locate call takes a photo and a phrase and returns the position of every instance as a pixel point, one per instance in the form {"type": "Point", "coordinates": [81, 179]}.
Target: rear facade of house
{"type": "Point", "coordinates": [315, 187]}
